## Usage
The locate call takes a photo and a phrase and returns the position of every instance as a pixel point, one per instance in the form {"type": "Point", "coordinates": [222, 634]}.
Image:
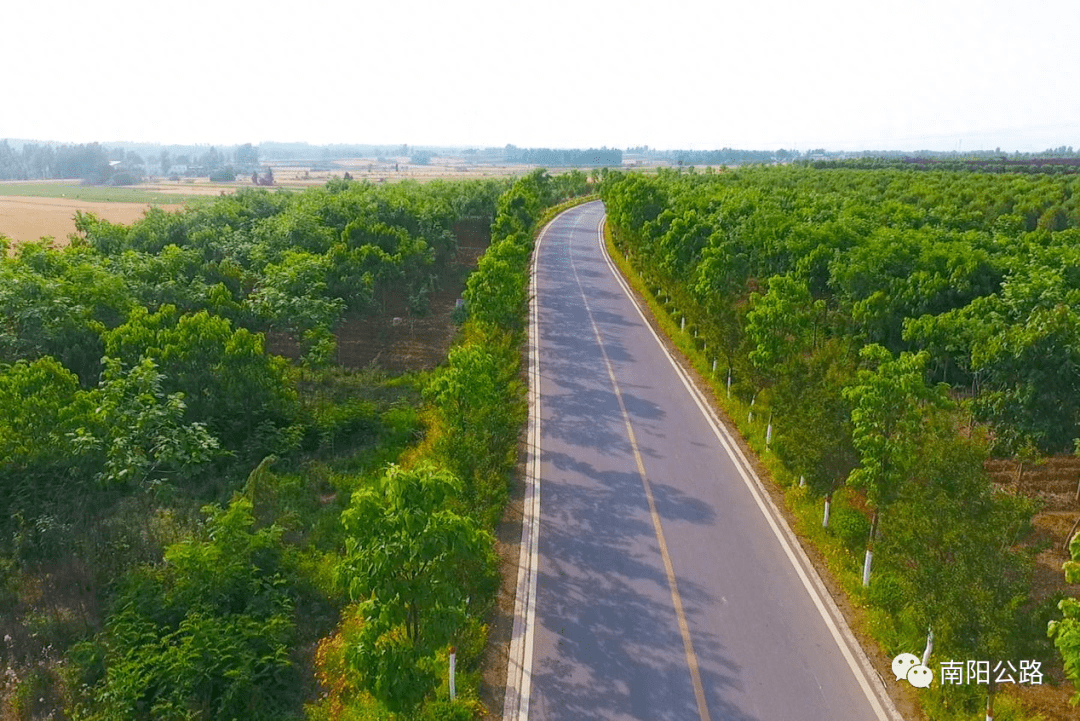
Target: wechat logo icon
{"type": "Point", "coordinates": [908, 666]}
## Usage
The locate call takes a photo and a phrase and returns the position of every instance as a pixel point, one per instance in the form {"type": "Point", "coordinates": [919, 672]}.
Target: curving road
{"type": "Point", "coordinates": [663, 585]}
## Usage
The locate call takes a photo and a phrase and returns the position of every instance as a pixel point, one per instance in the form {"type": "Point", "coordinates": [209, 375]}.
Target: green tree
{"type": "Point", "coordinates": [1066, 631]}
{"type": "Point", "coordinates": [140, 429]}
{"type": "Point", "coordinates": [42, 406]}
{"type": "Point", "coordinates": [886, 419]}
{"type": "Point", "coordinates": [950, 560]}
{"type": "Point", "coordinates": [247, 156]}
{"type": "Point", "coordinates": [497, 293]}
{"type": "Point", "coordinates": [816, 439]}
{"type": "Point", "coordinates": [477, 399]}
{"type": "Point", "coordinates": [1033, 380]}
{"type": "Point", "coordinates": [414, 564]}
{"type": "Point", "coordinates": [778, 325]}
{"type": "Point", "coordinates": [229, 382]}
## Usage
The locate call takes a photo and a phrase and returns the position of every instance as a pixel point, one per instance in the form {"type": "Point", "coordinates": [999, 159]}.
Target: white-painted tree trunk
{"type": "Point", "coordinates": [682, 325]}
{"type": "Point", "coordinates": [714, 366]}
{"type": "Point", "coordinates": [929, 647]}
{"type": "Point", "coordinates": [868, 562]}
{"type": "Point", "coordinates": [453, 659]}
{"type": "Point", "coordinates": [729, 382]}
{"type": "Point", "coordinates": [825, 516]}
{"type": "Point", "coordinates": [802, 481]}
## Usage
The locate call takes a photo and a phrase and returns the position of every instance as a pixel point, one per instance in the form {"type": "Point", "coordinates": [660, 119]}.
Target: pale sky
{"type": "Point", "coordinates": [760, 74]}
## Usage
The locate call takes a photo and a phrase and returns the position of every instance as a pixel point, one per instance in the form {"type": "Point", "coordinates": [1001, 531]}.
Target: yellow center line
{"type": "Point", "coordinates": [676, 599]}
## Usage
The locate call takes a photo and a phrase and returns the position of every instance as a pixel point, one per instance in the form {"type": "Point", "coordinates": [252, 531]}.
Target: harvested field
{"type": "Point", "coordinates": [25, 218]}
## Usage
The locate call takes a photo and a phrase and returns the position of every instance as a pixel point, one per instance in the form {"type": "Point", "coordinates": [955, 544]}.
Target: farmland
{"type": "Point", "coordinates": [30, 210]}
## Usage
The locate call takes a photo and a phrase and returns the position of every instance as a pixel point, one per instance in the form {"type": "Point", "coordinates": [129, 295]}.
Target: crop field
{"type": "Point", "coordinates": [37, 209]}
{"type": "Point", "coordinates": [24, 218]}
{"type": "Point", "coordinates": [74, 189]}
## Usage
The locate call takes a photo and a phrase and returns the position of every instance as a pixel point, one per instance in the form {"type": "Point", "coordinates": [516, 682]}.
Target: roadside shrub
{"type": "Point", "coordinates": [223, 175]}
{"type": "Point", "coordinates": [887, 591]}
{"type": "Point", "coordinates": [850, 526]}
{"type": "Point", "coordinates": [206, 636]}
{"type": "Point", "coordinates": [341, 421]}
{"type": "Point", "coordinates": [126, 177]}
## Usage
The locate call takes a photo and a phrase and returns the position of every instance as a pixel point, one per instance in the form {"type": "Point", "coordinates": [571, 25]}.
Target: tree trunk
{"type": "Point", "coordinates": [869, 551]}
{"type": "Point", "coordinates": [1069, 535]}
{"type": "Point", "coordinates": [825, 517]}
{"type": "Point", "coordinates": [990, 702]}
{"type": "Point", "coordinates": [929, 647]}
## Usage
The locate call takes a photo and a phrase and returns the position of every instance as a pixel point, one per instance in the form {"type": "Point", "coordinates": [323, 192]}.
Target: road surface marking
{"type": "Point", "coordinates": [676, 599]}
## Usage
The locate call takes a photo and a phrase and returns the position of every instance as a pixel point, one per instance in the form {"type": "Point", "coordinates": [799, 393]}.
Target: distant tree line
{"type": "Point", "coordinates": [564, 157]}
{"type": "Point", "coordinates": [37, 162]}
{"type": "Point", "coordinates": [1037, 164]}
{"type": "Point", "coordinates": [996, 160]}
{"type": "Point", "coordinates": [122, 164]}
{"type": "Point", "coordinates": [724, 156]}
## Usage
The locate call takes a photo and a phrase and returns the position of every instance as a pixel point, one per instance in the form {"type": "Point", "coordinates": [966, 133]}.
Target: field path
{"type": "Point", "coordinates": [665, 584]}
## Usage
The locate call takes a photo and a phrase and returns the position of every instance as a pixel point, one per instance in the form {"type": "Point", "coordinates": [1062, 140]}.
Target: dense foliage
{"type": "Point", "coordinates": [135, 387]}
{"type": "Point", "coordinates": [891, 309]}
{"type": "Point", "coordinates": [424, 586]}
{"type": "Point", "coordinates": [1066, 631]}
{"type": "Point", "coordinates": [206, 634]}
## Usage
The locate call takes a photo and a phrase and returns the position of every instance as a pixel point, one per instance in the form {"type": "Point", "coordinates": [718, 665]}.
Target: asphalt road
{"type": "Point", "coordinates": [682, 606]}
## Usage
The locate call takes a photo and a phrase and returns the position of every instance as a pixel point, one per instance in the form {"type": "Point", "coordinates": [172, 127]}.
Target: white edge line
{"type": "Point", "coordinates": [519, 663]}
{"type": "Point", "coordinates": [853, 653]}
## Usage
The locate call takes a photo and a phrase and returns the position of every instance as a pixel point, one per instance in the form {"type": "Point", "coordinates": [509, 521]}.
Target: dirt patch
{"type": "Point", "coordinates": [1052, 483]}
{"type": "Point", "coordinates": [29, 218]}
